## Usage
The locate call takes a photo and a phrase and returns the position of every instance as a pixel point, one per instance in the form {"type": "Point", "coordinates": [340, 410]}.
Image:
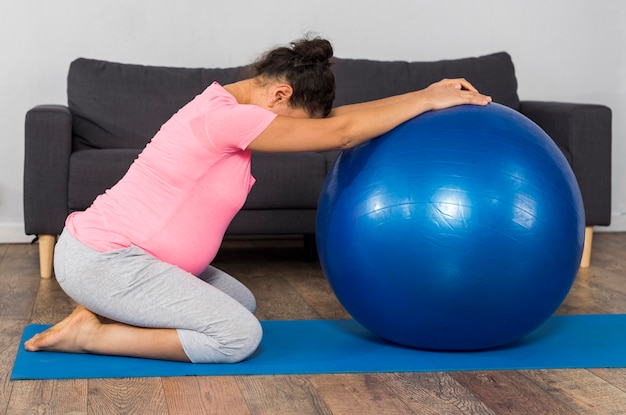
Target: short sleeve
{"type": "Point", "coordinates": [228, 126]}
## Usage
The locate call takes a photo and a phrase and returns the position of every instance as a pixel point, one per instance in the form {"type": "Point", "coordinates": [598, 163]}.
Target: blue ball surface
{"type": "Point", "coordinates": [461, 229]}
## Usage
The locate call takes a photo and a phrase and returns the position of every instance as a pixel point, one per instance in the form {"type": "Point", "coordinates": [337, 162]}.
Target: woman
{"type": "Point", "coordinates": [140, 254]}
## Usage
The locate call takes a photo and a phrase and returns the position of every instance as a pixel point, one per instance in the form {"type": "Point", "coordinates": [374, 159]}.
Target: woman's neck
{"type": "Point", "coordinates": [243, 91]}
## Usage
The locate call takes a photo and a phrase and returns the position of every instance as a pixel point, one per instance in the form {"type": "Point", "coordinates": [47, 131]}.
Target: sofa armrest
{"type": "Point", "coordinates": [583, 133]}
{"type": "Point", "coordinates": [48, 145]}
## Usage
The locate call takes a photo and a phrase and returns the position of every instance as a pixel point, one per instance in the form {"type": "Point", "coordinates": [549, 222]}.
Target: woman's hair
{"type": "Point", "coordinates": [305, 65]}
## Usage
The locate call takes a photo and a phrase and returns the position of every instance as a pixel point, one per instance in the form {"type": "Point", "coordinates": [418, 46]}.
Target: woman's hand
{"type": "Point", "coordinates": [450, 92]}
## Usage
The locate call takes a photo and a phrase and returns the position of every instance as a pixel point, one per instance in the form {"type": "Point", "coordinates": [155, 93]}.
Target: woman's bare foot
{"type": "Point", "coordinates": [83, 332]}
{"type": "Point", "coordinates": [69, 335]}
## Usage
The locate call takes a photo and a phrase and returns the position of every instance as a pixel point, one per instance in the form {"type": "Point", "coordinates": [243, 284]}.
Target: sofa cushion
{"type": "Point", "coordinates": [94, 171]}
{"type": "Point", "coordinates": [284, 181]}
{"type": "Point", "coordinates": [361, 80]}
{"type": "Point", "coordinates": [118, 105]}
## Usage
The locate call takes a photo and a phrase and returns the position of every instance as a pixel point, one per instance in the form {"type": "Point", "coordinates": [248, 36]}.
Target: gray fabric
{"type": "Point", "coordinates": [273, 222]}
{"type": "Point", "coordinates": [212, 314]}
{"type": "Point", "coordinates": [583, 133]}
{"type": "Point", "coordinates": [94, 171]}
{"type": "Point", "coordinates": [47, 149]}
{"type": "Point", "coordinates": [122, 106]}
{"type": "Point", "coordinates": [363, 80]}
{"type": "Point", "coordinates": [286, 180]}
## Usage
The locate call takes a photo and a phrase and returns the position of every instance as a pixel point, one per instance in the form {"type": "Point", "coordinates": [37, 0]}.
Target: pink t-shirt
{"type": "Point", "coordinates": [181, 193]}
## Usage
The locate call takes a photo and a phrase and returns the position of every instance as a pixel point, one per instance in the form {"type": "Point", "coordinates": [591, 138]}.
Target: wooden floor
{"type": "Point", "coordinates": [289, 288]}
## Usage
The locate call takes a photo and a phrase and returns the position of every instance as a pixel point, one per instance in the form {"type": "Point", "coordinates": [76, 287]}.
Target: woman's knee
{"type": "Point", "coordinates": [233, 344]}
{"type": "Point", "coordinates": [243, 347]}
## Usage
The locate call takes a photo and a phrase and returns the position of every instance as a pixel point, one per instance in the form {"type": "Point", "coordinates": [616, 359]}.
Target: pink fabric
{"type": "Point", "coordinates": [180, 195]}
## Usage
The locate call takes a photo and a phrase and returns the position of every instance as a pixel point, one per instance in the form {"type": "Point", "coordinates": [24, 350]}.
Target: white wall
{"type": "Point", "coordinates": [566, 50]}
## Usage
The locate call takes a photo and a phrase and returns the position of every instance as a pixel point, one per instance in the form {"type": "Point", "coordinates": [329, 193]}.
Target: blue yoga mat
{"type": "Point", "coordinates": [343, 346]}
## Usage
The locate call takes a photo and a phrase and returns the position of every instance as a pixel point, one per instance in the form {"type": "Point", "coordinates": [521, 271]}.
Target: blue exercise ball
{"type": "Point", "coordinates": [461, 229]}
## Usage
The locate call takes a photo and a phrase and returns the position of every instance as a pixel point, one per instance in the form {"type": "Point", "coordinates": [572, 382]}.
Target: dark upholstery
{"type": "Point", "coordinates": [118, 105]}
{"type": "Point", "coordinates": [583, 133]}
{"type": "Point", "coordinates": [75, 152]}
{"type": "Point", "coordinates": [364, 80]}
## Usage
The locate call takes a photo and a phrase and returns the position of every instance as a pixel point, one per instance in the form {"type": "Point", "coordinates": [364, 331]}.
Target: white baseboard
{"type": "Point", "coordinates": [13, 233]}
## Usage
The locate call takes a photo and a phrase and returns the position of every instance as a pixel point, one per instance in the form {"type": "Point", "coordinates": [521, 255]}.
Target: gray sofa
{"type": "Point", "coordinates": [76, 151]}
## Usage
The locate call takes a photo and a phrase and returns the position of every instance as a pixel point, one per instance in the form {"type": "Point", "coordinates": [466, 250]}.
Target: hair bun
{"type": "Point", "coordinates": [304, 64]}
{"type": "Point", "coordinates": [312, 51]}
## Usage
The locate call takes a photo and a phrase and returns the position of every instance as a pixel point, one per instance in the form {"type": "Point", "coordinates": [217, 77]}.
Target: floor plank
{"type": "Point", "coordinates": [52, 305]}
{"type": "Point", "coordinates": [388, 394]}
{"type": "Point", "coordinates": [287, 287]}
{"type": "Point", "coordinates": [204, 395]}
{"type": "Point", "coordinates": [616, 377]}
{"type": "Point", "coordinates": [314, 288]}
{"type": "Point", "coordinates": [10, 335]}
{"type": "Point", "coordinates": [278, 300]}
{"type": "Point", "coordinates": [581, 390]}
{"type": "Point", "coordinates": [511, 393]}
{"type": "Point", "coordinates": [126, 396]}
{"type": "Point", "coordinates": [18, 288]}
{"type": "Point", "coordinates": [271, 395]}
{"type": "Point", "coordinates": [54, 396]}
{"type": "Point", "coordinates": [435, 393]}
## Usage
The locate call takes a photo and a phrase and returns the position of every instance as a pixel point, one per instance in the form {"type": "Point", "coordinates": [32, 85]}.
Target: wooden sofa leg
{"type": "Point", "coordinates": [46, 254]}
{"type": "Point", "coordinates": [586, 259]}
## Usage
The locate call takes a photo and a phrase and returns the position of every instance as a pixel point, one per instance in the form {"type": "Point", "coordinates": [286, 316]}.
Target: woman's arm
{"type": "Point", "coordinates": [345, 109]}
{"type": "Point", "coordinates": [390, 100]}
{"type": "Point", "coordinates": [354, 124]}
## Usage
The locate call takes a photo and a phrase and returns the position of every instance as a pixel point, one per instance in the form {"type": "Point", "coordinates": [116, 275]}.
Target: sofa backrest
{"type": "Point", "coordinates": [361, 80]}
{"type": "Point", "coordinates": [117, 105]}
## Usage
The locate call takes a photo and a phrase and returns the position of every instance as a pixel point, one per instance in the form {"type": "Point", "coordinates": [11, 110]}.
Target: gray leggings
{"type": "Point", "coordinates": [213, 313]}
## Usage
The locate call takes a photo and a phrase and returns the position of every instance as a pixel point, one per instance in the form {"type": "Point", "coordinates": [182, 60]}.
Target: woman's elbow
{"type": "Point", "coordinates": [346, 136]}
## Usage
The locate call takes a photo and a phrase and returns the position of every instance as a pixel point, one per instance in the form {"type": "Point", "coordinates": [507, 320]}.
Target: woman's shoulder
{"type": "Point", "coordinates": [211, 99]}
{"type": "Point", "coordinates": [216, 90]}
